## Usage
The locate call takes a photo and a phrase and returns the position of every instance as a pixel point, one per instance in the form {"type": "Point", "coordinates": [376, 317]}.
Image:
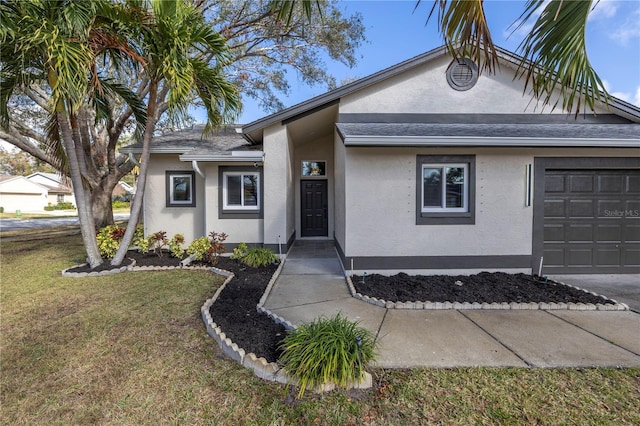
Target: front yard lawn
{"type": "Point", "coordinates": [131, 349]}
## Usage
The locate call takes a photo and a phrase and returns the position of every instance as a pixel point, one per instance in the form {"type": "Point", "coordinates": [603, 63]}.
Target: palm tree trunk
{"type": "Point", "coordinates": [87, 227]}
{"type": "Point", "coordinates": [136, 207]}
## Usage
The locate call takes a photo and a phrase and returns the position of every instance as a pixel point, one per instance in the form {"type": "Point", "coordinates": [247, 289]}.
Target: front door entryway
{"type": "Point", "coordinates": [313, 208]}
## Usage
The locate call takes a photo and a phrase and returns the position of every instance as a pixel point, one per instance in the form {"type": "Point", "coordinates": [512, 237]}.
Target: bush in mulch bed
{"type": "Point", "coordinates": [235, 310]}
{"type": "Point", "coordinates": [485, 287]}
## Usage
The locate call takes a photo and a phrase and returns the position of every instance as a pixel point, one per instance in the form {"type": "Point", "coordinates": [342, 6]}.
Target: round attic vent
{"type": "Point", "coordinates": [462, 74]}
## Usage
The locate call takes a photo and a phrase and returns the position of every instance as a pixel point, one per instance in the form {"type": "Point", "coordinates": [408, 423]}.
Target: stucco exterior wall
{"type": "Point", "coordinates": [292, 179]}
{"type": "Point", "coordinates": [381, 217]}
{"type": "Point", "coordinates": [238, 230]}
{"type": "Point", "coordinates": [424, 89]}
{"type": "Point", "coordinates": [340, 191]}
{"type": "Point", "coordinates": [188, 221]}
{"type": "Point", "coordinates": [276, 186]}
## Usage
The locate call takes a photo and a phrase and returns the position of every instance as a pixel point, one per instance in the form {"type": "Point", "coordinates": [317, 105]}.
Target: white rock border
{"type": "Point", "coordinates": [616, 306]}
{"type": "Point", "coordinates": [263, 369]}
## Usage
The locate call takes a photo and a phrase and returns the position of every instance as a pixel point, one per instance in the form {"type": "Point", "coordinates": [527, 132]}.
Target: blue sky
{"type": "Point", "coordinates": [395, 33]}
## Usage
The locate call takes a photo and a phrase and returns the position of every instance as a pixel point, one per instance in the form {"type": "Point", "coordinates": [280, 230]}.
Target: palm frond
{"type": "Point", "coordinates": [555, 56]}
{"type": "Point", "coordinates": [285, 10]}
{"type": "Point", "coordinates": [117, 89]}
{"type": "Point", "coordinates": [463, 25]}
{"type": "Point", "coordinates": [220, 97]}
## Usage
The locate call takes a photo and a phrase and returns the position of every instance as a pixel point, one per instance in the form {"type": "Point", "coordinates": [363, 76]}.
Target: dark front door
{"type": "Point", "coordinates": [313, 208]}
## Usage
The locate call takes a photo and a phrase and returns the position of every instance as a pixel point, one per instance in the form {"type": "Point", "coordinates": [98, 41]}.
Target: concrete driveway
{"type": "Point", "coordinates": [623, 288]}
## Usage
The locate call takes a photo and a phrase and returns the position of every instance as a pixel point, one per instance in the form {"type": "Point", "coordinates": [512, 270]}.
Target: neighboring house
{"type": "Point", "coordinates": [20, 193]}
{"type": "Point", "coordinates": [424, 167]}
{"type": "Point", "coordinates": [123, 191]}
{"type": "Point", "coordinates": [59, 188]}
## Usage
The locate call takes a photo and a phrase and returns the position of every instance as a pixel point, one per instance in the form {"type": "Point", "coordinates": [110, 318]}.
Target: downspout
{"type": "Point", "coordinates": [132, 158]}
{"type": "Point", "coordinates": [194, 164]}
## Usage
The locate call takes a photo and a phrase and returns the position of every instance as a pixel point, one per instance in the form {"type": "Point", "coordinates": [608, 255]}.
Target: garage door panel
{"type": "Point", "coordinates": [554, 256]}
{"type": "Point", "coordinates": [554, 232]}
{"type": "Point", "coordinates": [581, 183]}
{"type": "Point", "coordinates": [609, 233]}
{"type": "Point", "coordinates": [632, 233]}
{"type": "Point", "coordinates": [632, 256]}
{"type": "Point", "coordinates": [607, 256]}
{"type": "Point", "coordinates": [591, 221]}
{"type": "Point", "coordinates": [554, 208]}
{"type": "Point", "coordinates": [554, 183]}
{"type": "Point", "coordinates": [580, 233]}
{"type": "Point", "coordinates": [579, 256]}
{"type": "Point", "coordinates": [608, 207]}
{"type": "Point", "coordinates": [632, 184]}
{"type": "Point", "coordinates": [581, 208]}
{"type": "Point", "coordinates": [610, 184]}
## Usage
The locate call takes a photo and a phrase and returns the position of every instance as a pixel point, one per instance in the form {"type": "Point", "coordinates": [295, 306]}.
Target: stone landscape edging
{"type": "Point", "coordinates": [263, 369]}
{"type": "Point", "coordinates": [546, 306]}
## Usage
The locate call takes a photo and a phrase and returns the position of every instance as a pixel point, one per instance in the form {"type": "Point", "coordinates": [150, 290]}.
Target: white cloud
{"type": "Point", "coordinates": [603, 9]}
{"type": "Point", "coordinates": [628, 29]}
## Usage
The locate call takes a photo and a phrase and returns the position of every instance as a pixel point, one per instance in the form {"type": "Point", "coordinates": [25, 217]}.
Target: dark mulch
{"type": "Point", "coordinates": [235, 310]}
{"type": "Point", "coordinates": [141, 259]}
{"type": "Point", "coordinates": [485, 287]}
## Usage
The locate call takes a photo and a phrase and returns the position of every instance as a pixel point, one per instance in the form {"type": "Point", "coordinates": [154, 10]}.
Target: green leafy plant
{"type": "Point", "coordinates": [208, 248]}
{"type": "Point", "coordinates": [333, 350]}
{"type": "Point", "coordinates": [175, 246]}
{"type": "Point", "coordinates": [239, 252]}
{"type": "Point", "coordinates": [199, 248]}
{"type": "Point", "coordinates": [139, 241]}
{"type": "Point", "coordinates": [1, 209]}
{"type": "Point", "coordinates": [49, 207]}
{"type": "Point", "coordinates": [108, 239]}
{"type": "Point", "coordinates": [157, 241]}
{"type": "Point", "coordinates": [119, 204]}
{"type": "Point", "coordinates": [256, 257]}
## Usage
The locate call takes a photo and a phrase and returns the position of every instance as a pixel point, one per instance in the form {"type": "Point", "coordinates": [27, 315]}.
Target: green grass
{"type": "Point", "coordinates": [131, 349]}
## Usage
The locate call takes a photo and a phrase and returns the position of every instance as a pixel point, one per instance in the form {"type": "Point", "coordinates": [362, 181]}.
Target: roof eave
{"type": "Point", "coordinates": [466, 141]}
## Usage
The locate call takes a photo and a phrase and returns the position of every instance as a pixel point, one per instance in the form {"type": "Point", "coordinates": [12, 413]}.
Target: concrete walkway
{"type": "Point", "coordinates": [312, 284]}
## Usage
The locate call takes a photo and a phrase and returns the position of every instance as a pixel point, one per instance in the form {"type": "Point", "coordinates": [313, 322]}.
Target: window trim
{"type": "Point", "coordinates": [465, 189]}
{"type": "Point", "coordinates": [169, 175]}
{"type": "Point", "coordinates": [239, 212]}
{"type": "Point", "coordinates": [444, 216]}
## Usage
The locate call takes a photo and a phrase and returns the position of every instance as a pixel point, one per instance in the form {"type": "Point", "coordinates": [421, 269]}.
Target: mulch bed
{"type": "Point", "coordinates": [485, 287]}
{"type": "Point", "coordinates": [141, 259]}
{"type": "Point", "coordinates": [235, 309]}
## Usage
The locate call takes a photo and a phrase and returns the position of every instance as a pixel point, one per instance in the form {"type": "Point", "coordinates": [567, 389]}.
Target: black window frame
{"type": "Point", "coordinates": [446, 217]}
{"type": "Point", "coordinates": [233, 213]}
{"type": "Point", "coordinates": [169, 175]}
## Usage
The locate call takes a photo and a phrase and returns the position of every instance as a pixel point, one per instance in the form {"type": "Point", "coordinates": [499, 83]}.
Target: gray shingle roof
{"type": "Point", "coordinates": [192, 141]}
{"type": "Point", "coordinates": [521, 134]}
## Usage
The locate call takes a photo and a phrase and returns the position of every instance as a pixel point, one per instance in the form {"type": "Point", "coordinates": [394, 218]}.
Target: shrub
{"type": "Point", "coordinates": [139, 241]}
{"type": "Point", "coordinates": [49, 207]}
{"type": "Point", "coordinates": [175, 246]}
{"type": "Point", "coordinates": [108, 239]}
{"type": "Point", "coordinates": [65, 205]}
{"type": "Point", "coordinates": [120, 204]}
{"type": "Point", "coordinates": [157, 241]}
{"type": "Point", "coordinates": [239, 252]}
{"type": "Point", "coordinates": [256, 257]}
{"type": "Point", "coordinates": [199, 248]}
{"type": "Point", "coordinates": [333, 350]}
{"type": "Point", "coordinates": [1, 209]}
{"type": "Point", "coordinates": [208, 248]}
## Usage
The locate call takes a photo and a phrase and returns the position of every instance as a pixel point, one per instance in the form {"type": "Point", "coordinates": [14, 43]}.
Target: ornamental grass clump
{"type": "Point", "coordinates": [327, 351]}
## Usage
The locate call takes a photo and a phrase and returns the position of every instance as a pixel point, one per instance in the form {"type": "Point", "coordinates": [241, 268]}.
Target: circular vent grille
{"type": "Point", "coordinates": [462, 74]}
